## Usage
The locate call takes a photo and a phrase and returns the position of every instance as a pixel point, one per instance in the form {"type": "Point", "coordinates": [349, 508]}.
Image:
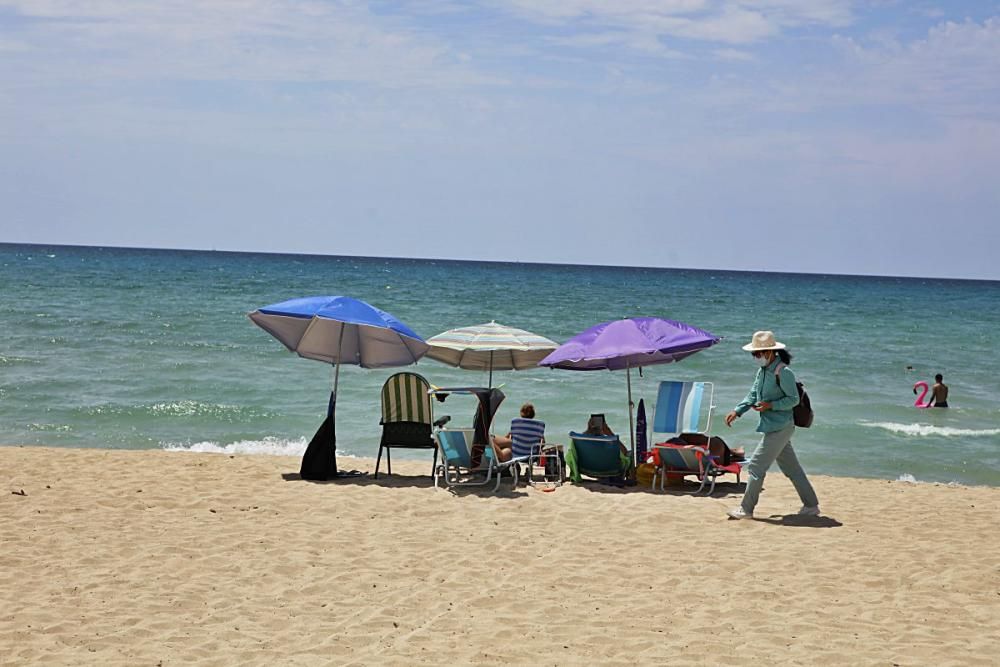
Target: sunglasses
{"type": "Point", "coordinates": [758, 353]}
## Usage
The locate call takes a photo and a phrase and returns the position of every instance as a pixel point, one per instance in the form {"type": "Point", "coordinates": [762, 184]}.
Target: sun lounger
{"type": "Point", "coordinates": [526, 442]}
{"type": "Point", "coordinates": [598, 456]}
{"type": "Point", "coordinates": [685, 408]}
{"type": "Point", "coordinates": [458, 467]}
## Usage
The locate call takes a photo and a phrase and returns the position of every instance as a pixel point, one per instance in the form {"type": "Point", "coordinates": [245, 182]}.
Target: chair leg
{"type": "Point", "coordinates": [378, 460]}
{"type": "Point", "coordinates": [388, 460]}
{"type": "Point", "coordinates": [434, 462]}
{"type": "Point", "coordinates": [702, 486]}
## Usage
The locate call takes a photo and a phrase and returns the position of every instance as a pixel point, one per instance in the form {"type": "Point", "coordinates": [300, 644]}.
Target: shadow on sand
{"type": "Point", "coordinates": [800, 521]}
{"type": "Point", "coordinates": [414, 482]}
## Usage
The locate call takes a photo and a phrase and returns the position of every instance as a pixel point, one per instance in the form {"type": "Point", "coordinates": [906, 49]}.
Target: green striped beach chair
{"type": "Point", "coordinates": [407, 416]}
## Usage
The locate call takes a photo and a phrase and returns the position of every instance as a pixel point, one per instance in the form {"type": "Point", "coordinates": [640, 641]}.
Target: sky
{"type": "Point", "coordinates": [820, 136]}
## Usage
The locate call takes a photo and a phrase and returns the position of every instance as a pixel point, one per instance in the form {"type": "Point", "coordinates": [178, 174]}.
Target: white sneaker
{"type": "Point", "coordinates": [739, 513]}
{"type": "Point", "coordinates": [809, 511]}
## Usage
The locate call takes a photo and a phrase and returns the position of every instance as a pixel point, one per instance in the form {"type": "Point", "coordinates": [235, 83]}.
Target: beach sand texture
{"type": "Point", "coordinates": [158, 558]}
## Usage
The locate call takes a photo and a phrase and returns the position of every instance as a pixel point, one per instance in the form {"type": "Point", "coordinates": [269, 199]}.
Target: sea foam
{"type": "Point", "coordinates": [269, 446]}
{"type": "Point", "coordinates": [928, 430]}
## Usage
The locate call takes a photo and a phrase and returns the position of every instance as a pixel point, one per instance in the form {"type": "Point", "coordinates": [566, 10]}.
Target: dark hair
{"type": "Point", "coordinates": [785, 356]}
{"type": "Point", "coordinates": [938, 377]}
{"type": "Point", "coordinates": [528, 411]}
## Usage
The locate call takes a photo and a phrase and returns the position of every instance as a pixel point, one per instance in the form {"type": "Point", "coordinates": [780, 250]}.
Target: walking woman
{"type": "Point", "coordinates": [773, 395]}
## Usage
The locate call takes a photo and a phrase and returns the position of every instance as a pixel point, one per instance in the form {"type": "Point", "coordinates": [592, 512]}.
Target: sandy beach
{"type": "Point", "coordinates": [162, 558]}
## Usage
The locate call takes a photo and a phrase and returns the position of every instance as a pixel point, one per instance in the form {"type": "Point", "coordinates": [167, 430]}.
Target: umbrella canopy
{"type": "Point", "coordinates": [341, 330]}
{"type": "Point", "coordinates": [629, 343]}
{"type": "Point", "coordinates": [337, 330]}
{"type": "Point", "coordinates": [489, 347]}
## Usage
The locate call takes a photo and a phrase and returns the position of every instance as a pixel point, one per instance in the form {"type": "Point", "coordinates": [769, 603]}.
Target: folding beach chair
{"type": "Point", "coordinates": [458, 467]}
{"type": "Point", "coordinates": [526, 442]}
{"type": "Point", "coordinates": [598, 456]}
{"type": "Point", "coordinates": [407, 415]}
{"type": "Point", "coordinates": [685, 408]}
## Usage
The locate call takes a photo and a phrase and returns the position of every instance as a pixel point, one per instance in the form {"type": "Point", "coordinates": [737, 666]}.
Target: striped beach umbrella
{"type": "Point", "coordinates": [489, 347]}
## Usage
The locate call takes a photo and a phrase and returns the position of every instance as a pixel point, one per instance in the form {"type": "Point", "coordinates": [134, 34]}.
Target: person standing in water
{"type": "Point", "coordinates": [773, 395]}
{"type": "Point", "coordinates": [939, 392]}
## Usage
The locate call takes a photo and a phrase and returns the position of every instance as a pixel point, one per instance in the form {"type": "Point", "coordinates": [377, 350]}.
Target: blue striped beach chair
{"type": "Point", "coordinates": [407, 416]}
{"type": "Point", "coordinates": [526, 442]}
{"type": "Point", "coordinates": [685, 408]}
{"type": "Point", "coordinates": [456, 467]}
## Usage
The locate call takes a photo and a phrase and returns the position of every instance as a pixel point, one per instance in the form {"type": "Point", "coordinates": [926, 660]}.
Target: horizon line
{"type": "Point", "coordinates": [498, 262]}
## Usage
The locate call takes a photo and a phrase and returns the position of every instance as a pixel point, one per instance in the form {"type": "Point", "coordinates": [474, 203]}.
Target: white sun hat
{"type": "Point", "coordinates": [763, 340]}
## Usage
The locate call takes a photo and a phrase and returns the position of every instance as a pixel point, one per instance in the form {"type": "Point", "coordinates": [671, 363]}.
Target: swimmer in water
{"type": "Point", "coordinates": [939, 392]}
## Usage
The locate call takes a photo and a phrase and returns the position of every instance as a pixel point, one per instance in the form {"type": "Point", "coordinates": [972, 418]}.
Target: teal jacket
{"type": "Point", "coordinates": [782, 398]}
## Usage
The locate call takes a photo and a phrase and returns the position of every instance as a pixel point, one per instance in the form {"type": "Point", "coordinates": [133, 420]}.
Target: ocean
{"type": "Point", "coordinates": [152, 349]}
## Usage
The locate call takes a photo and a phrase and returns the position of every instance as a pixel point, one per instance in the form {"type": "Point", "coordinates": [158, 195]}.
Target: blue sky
{"type": "Point", "coordinates": [782, 135]}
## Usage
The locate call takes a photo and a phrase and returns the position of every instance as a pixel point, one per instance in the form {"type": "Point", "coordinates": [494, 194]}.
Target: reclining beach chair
{"type": "Point", "coordinates": [685, 408]}
{"type": "Point", "coordinates": [407, 415]}
{"type": "Point", "coordinates": [598, 456]}
{"type": "Point", "coordinates": [457, 467]}
{"type": "Point", "coordinates": [526, 442]}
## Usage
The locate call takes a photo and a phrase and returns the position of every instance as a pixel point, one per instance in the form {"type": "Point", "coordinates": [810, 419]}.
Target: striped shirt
{"type": "Point", "coordinates": [526, 435]}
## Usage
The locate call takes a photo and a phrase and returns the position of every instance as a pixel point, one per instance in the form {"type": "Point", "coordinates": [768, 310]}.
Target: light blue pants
{"type": "Point", "coordinates": [776, 446]}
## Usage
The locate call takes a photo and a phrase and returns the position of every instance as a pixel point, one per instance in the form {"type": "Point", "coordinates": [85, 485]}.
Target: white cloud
{"type": "Point", "coordinates": [260, 40]}
{"type": "Point", "coordinates": [716, 21]}
{"type": "Point", "coordinates": [735, 55]}
{"type": "Point", "coordinates": [954, 71]}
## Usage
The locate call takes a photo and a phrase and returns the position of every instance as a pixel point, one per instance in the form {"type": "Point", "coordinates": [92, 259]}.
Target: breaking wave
{"type": "Point", "coordinates": [267, 446]}
{"type": "Point", "coordinates": [923, 430]}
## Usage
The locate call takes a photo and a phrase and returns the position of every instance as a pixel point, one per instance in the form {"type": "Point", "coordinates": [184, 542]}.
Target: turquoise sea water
{"type": "Point", "coordinates": [148, 349]}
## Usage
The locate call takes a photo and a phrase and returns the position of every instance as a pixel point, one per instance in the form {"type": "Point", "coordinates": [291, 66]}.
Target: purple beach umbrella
{"type": "Point", "coordinates": [626, 344]}
{"type": "Point", "coordinates": [629, 343]}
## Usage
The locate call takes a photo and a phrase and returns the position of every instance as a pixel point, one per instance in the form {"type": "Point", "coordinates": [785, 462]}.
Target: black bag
{"type": "Point", "coordinates": [802, 414]}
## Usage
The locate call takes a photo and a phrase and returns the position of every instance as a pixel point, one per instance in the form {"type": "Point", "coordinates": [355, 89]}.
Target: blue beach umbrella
{"type": "Point", "coordinates": [337, 330]}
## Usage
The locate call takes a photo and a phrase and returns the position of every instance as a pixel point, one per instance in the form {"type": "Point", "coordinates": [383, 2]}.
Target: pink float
{"type": "Point", "coordinates": [919, 403]}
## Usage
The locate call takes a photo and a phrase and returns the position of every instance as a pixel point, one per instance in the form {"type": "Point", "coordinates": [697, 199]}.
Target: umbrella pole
{"type": "Point", "coordinates": [331, 409]}
{"type": "Point", "coordinates": [336, 381]}
{"type": "Point", "coordinates": [631, 417]}
{"type": "Point", "coordinates": [490, 385]}
{"type": "Point", "coordinates": [336, 369]}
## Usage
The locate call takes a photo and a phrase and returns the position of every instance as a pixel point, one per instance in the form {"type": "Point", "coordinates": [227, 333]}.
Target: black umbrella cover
{"type": "Point", "coordinates": [319, 463]}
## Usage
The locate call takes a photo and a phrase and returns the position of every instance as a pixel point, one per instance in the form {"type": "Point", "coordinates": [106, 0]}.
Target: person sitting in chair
{"type": "Point", "coordinates": [596, 425]}
{"type": "Point", "coordinates": [525, 429]}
